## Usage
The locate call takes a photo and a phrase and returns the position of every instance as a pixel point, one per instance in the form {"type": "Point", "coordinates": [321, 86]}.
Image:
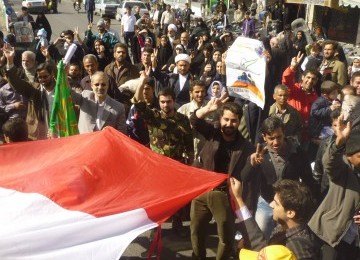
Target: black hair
{"type": "Point", "coordinates": [197, 82]}
{"type": "Point", "coordinates": [295, 196]}
{"type": "Point", "coordinates": [270, 124]}
{"type": "Point", "coordinates": [121, 45]}
{"type": "Point", "coordinates": [15, 129]}
{"type": "Point", "coordinates": [232, 107]}
{"type": "Point", "coordinates": [167, 92]}
{"type": "Point", "coordinates": [148, 50]}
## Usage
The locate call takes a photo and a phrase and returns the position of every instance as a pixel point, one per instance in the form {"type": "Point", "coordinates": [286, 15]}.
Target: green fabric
{"type": "Point", "coordinates": [62, 120]}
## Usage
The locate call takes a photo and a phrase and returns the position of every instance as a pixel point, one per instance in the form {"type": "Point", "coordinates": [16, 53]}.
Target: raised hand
{"type": "Point", "coordinates": [216, 103]}
{"type": "Point", "coordinates": [76, 31]}
{"type": "Point", "coordinates": [45, 52]}
{"type": "Point", "coordinates": [342, 131]}
{"type": "Point", "coordinates": [9, 52]}
{"type": "Point", "coordinates": [258, 157]}
{"type": "Point", "coordinates": [296, 60]}
{"type": "Point", "coordinates": [235, 190]}
{"type": "Point", "coordinates": [235, 187]}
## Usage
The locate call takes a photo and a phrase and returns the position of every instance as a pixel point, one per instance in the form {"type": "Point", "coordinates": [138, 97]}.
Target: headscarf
{"type": "Point", "coordinates": [222, 89]}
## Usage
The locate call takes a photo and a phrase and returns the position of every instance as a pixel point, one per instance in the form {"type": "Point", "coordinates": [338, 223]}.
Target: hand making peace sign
{"type": "Point", "coordinates": [258, 157]}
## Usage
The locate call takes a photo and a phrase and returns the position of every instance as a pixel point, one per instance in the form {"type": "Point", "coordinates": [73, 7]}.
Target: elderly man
{"type": "Point", "coordinates": [171, 33]}
{"type": "Point", "coordinates": [91, 66]}
{"type": "Point", "coordinates": [97, 108]}
{"type": "Point", "coordinates": [28, 62]}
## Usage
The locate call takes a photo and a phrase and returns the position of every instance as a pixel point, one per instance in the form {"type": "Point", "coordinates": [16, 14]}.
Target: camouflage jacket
{"type": "Point", "coordinates": [169, 136]}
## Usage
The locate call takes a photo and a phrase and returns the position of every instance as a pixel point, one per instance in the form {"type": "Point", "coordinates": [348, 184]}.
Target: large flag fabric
{"type": "Point", "coordinates": [63, 120]}
{"type": "Point", "coordinates": [246, 69]}
{"type": "Point", "coordinates": [88, 196]}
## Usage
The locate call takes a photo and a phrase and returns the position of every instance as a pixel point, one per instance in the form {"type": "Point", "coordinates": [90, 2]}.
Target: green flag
{"type": "Point", "coordinates": [63, 121]}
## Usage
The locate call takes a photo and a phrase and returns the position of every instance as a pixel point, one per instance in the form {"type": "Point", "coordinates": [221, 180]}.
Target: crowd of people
{"type": "Point", "coordinates": [293, 166]}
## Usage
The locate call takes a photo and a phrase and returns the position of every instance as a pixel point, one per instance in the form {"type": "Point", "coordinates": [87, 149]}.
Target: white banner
{"type": "Point", "coordinates": [245, 70]}
{"type": "Point", "coordinates": [352, 3]}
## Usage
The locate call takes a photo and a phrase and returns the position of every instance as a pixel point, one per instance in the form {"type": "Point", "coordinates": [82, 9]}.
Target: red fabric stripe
{"type": "Point", "coordinates": [103, 173]}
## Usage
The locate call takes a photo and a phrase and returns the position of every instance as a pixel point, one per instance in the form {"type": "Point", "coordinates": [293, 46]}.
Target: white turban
{"type": "Point", "coordinates": [172, 27]}
{"type": "Point", "coordinates": [184, 57]}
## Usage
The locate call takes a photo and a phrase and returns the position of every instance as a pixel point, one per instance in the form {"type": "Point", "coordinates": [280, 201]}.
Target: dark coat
{"type": "Point", "coordinates": [238, 167]}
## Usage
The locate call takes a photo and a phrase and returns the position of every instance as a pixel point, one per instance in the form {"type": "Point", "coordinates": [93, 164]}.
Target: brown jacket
{"type": "Point", "coordinates": [125, 73]}
{"type": "Point", "coordinates": [338, 71]}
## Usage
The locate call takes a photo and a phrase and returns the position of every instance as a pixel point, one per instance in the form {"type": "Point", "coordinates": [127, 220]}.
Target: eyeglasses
{"type": "Point", "coordinates": [100, 84]}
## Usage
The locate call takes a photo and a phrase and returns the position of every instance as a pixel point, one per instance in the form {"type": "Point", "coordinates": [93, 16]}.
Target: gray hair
{"type": "Point", "coordinates": [90, 57]}
{"type": "Point", "coordinates": [29, 54]}
{"type": "Point", "coordinates": [281, 87]}
{"type": "Point", "coordinates": [100, 74]}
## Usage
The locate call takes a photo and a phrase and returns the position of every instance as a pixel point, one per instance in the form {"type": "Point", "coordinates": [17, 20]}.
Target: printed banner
{"type": "Point", "coordinates": [245, 70]}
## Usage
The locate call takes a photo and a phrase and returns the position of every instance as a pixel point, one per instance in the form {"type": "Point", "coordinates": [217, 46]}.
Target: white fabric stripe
{"type": "Point", "coordinates": [34, 227]}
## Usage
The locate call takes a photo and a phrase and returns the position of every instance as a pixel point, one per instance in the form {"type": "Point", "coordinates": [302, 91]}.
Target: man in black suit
{"type": "Point", "coordinates": [179, 82]}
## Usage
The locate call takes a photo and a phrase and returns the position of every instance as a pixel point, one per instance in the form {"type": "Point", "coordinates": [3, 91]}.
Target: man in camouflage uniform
{"type": "Point", "coordinates": [170, 132]}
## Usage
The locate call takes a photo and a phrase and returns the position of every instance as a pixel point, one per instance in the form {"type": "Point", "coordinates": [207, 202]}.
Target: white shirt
{"type": "Point", "coordinates": [128, 22]}
{"type": "Point", "coordinates": [182, 80]}
{"type": "Point", "coordinates": [155, 16]}
{"type": "Point", "coordinates": [100, 111]}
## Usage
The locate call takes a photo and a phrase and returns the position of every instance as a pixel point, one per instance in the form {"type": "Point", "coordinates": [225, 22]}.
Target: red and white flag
{"type": "Point", "coordinates": [88, 196]}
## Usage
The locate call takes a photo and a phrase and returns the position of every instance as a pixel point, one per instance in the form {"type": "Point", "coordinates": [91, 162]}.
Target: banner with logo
{"type": "Point", "coordinates": [245, 70]}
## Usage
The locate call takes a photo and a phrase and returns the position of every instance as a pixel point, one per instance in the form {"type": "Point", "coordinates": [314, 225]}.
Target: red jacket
{"type": "Point", "coordinates": [299, 99]}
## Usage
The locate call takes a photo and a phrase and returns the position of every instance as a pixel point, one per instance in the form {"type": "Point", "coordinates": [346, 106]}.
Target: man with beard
{"type": "Point", "coordinates": [197, 96]}
{"type": "Point", "coordinates": [179, 82]}
{"type": "Point", "coordinates": [120, 70]}
{"type": "Point", "coordinates": [225, 151]}
{"type": "Point", "coordinates": [331, 67]}
{"type": "Point", "coordinates": [170, 132]}
{"type": "Point", "coordinates": [28, 62]}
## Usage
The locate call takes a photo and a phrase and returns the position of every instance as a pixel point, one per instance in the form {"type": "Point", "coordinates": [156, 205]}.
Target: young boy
{"type": "Point", "coordinates": [320, 120]}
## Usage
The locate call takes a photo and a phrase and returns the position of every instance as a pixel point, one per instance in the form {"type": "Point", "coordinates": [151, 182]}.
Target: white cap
{"type": "Point", "coordinates": [182, 56]}
{"type": "Point", "coordinates": [172, 26]}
